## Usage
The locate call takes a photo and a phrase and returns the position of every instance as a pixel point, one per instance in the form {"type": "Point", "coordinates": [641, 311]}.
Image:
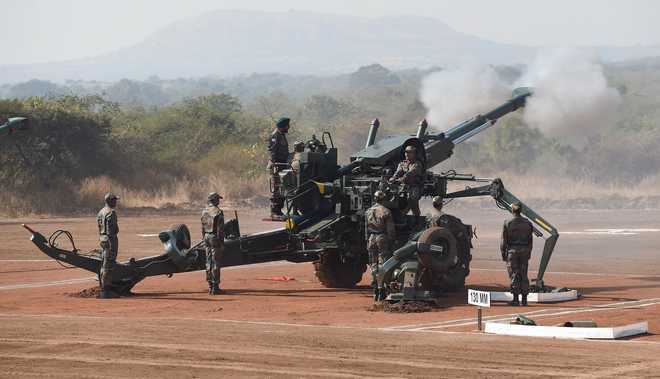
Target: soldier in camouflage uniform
{"type": "Point", "coordinates": [410, 173]}
{"type": "Point", "coordinates": [381, 234]}
{"type": "Point", "coordinates": [278, 150]}
{"type": "Point", "coordinates": [106, 220]}
{"type": "Point", "coordinates": [516, 250]}
{"type": "Point", "coordinates": [213, 223]}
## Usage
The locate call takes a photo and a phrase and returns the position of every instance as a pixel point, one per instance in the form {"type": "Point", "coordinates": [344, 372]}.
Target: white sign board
{"type": "Point", "coordinates": [479, 298]}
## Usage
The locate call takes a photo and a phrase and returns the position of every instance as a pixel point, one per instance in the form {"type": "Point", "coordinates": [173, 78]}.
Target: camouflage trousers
{"type": "Point", "coordinates": [214, 249]}
{"type": "Point", "coordinates": [414, 194]}
{"type": "Point", "coordinates": [109, 251]}
{"type": "Point", "coordinates": [378, 247]}
{"type": "Point", "coordinates": [276, 198]}
{"type": "Point", "coordinates": [516, 266]}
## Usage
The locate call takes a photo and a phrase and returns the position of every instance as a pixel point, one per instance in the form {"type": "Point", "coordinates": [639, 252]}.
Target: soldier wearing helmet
{"type": "Point", "coordinates": [516, 249]}
{"type": "Point", "coordinates": [213, 234]}
{"type": "Point", "coordinates": [381, 235]}
{"type": "Point", "coordinates": [106, 221]}
{"type": "Point", "coordinates": [278, 150]}
{"type": "Point", "coordinates": [409, 173]}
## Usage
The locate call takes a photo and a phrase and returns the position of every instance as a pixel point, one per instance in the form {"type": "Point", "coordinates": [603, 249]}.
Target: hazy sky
{"type": "Point", "coordinates": [47, 30]}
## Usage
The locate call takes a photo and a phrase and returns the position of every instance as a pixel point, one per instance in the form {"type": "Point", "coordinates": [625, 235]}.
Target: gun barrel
{"type": "Point", "coordinates": [518, 100]}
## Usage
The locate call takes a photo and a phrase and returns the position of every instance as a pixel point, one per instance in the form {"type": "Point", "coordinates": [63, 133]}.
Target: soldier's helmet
{"type": "Point", "coordinates": [282, 123]}
{"type": "Point", "coordinates": [299, 146]}
{"type": "Point", "coordinates": [437, 202]}
{"type": "Point", "coordinates": [516, 208]}
{"type": "Point", "coordinates": [214, 197]}
{"type": "Point", "coordinates": [410, 149]}
{"type": "Point", "coordinates": [110, 197]}
{"type": "Point", "coordinates": [379, 195]}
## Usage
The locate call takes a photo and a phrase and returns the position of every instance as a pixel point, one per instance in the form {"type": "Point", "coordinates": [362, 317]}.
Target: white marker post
{"type": "Point", "coordinates": [480, 299]}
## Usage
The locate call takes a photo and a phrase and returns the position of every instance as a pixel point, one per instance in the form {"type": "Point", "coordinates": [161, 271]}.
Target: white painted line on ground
{"type": "Point", "coordinates": [47, 284]}
{"type": "Point", "coordinates": [147, 235]}
{"type": "Point", "coordinates": [27, 260]}
{"type": "Point", "coordinates": [541, 313]}
{"type": "Point", "coordinates": [272, 323]}
{"type": "Point", "coordinates": [611, 232]}
{"type": "Point", "coordinates": [82, 280]}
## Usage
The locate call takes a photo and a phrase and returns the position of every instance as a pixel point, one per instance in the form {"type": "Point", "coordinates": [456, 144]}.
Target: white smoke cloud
{"type": "Point", "coordinates": [571, 100]}
{"type": "Point", "coordinates": [454, 95]}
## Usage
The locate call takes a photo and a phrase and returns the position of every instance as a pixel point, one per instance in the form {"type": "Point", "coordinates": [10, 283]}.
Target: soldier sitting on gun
{"type": "Point", "coordinates": [410, 173]}
{"type": "Point", "coordinates": [106, 221]}
{"type": "Point", "coordinates": [516, 249]}
{"type": "Point", "coordinates": [213, 224]}
{"type": "Point", "coordinates": [381, 234]}
{"type": "Point", "coordinates": [278, 150]}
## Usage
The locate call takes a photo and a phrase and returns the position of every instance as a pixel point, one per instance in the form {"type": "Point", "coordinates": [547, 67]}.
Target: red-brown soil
{"type": "Point", "coordinates": [257, 328]}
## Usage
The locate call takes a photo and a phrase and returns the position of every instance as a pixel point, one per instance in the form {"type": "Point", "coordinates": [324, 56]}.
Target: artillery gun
{"type": "Point", "coordinates": [325, 223]}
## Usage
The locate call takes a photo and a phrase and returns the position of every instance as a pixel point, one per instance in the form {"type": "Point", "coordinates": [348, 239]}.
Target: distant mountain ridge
{"type": "Point", "coordinates": [229, 43]}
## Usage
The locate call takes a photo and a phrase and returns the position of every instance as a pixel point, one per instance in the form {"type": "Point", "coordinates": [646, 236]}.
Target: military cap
{"type": "Point", "coordinates": [411, 148]}
{"type": "Point", "coordinates": [282, 122]}
{"type": "Point", "coordinates": [110, 196]}
{"type": "Point", "coordinates": [379, 195]}
{"type": "Point", "coordinates": [437, 202]}
{"type": "Point", "coordinates": [516, 207]}
{"type": "Point", "coordinates": [214, 196]}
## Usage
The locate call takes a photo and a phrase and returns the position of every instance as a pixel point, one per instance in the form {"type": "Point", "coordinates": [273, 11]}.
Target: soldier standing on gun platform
{"type": "Point", "coordinates": [106, 220]}
{"type": "Point", "coordinates": [381, 234]}
{"type": "Point", "coordinates": [516, 250]}
{"type": "Point", "coordinates": [278, 149]}
{"type": "Point", "coordinates": [213, 224]}
{"type": "Point", "coordinates": [409, 173]}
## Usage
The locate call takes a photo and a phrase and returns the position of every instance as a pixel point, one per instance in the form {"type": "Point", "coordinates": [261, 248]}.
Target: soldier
{"type": "Point", "coordinates": [213, 223]}
{"type": "Point", "coordinates": [278, 149]}
{"type": "Point", "coordinates": [409, 173]}
{"type": "Point", "coordinates": [298, 148]}
{"type": "Point", "coordinates": [106, 220]}
{"type": "Point", "coordinates": [516, 249]}
{"type": "Point", "coordinates": [381, 234]}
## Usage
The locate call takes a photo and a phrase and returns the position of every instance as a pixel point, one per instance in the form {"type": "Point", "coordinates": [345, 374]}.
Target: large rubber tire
{"type": "Point", "coordinates": [439, 263]}
{"type": "Point", "coordinates": [453, 278]}
{"type": "Point", "coordinates": [333, 273]}
{"type": "Point", "coordinates": [182, 235]}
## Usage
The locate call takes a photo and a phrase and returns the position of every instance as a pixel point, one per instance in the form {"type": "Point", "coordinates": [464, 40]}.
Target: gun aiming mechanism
{"type": "Point", "coordinates": [325, 223]}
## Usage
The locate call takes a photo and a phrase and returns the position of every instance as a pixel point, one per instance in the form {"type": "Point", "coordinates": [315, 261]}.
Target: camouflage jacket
{"type": "Point", "coordinates": [213, 221]}
{"type": "Point", "coordinates": [409, 173]}
{"type": "Point", "coordinates": [380, 221]}
{"type": "Point", "coordinates": [517, 234]}
{"type": "Point", "coordinates": [106, 220]}
{"type": "Point", "coordinates": [278, 147]}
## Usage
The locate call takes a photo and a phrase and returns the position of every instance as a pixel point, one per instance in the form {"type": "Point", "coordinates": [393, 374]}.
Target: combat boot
{"type": "Point", "coordinates": [524, 299]}
{"type": "Point", "coordinates": [107, 294]}
{"type": "Point", "coordinates": [376, 293]}
{"type": "Point", "coordinates": [514, 302]}
{"type": "Point", "coordinates": [215, 290]}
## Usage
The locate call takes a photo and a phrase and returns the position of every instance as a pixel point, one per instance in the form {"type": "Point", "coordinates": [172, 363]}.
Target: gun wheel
{"type": "Point", "coordinates": [333, 273]}
{"type": "Point", "coordinates": [182, 235]}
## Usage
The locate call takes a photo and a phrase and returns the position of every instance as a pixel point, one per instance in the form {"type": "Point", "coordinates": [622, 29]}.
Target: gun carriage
{"type": "Point", "coordinates": [325, 222]}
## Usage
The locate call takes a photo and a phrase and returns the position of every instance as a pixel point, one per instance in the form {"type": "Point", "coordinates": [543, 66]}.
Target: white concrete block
{"type": "Point", "coordinates": [541, 297]}
{"type": "Point", "coordinates": [566, 332]}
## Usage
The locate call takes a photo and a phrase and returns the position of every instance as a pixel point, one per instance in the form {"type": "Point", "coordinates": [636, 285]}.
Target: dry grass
{"type": "Point", "coordinates": [180, 193]}
{"type": "Point", "coordinates": [239, 191]}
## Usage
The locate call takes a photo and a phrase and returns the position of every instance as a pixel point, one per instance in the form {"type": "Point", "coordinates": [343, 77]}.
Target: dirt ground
{"type": "Point", "coordinates": [267, 328]}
